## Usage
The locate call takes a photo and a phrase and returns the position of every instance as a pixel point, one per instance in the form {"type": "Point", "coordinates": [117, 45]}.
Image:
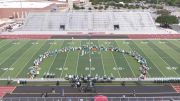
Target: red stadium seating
{"type": "Point", "coordinates": [154, 36]}
{"type": "Point", "coordinates": [177, 88]}
{"type": "Point", "coordinates": [29, 36]}
{"type": "Point", "coordinates": [94, 35]}
{"type": "Point", "coordinates": [6, 89]}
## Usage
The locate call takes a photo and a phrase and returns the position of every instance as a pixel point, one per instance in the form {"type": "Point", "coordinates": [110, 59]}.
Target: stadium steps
{"type": "Point", "coordinates": [177, 88]}
{"type": "Point", "coordinates": [6, 89]}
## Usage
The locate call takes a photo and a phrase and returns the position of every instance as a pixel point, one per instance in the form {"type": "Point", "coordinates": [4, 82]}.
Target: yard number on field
{"type": "Point", "coordinates": [88, 68]}
{"type": "Point", "coordinates": [118, 68]}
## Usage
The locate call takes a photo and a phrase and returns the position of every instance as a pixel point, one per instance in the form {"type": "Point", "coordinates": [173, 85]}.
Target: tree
{"type": "Point", "coordinates": [123, 83]}
{"type": "Point", "coordinates": [100, 7]}
{"type": "Point", "coordinates": [171, 2]}
{"type": "Point", "coordinates": [76, 7]}
{"type": "Point", "coordinates": [82, 7]}
{"type": "Point", "coordinates": [57, 83]}
{"type": "Point", "coordinates": [166, 20]}
{"type": "Point", "coordinates": [177, 3]}
{"type": "Point", "coordinates": [163, 12]}
{"type": "Point", "coordinates": [89, 8]}
{"type": "Point", "coordinates": [106, 6]}
{"type": "Point", "coordinates": [95, 7]}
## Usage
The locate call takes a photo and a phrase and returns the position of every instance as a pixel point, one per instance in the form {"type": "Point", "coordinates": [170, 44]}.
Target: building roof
{"type": "Point", "coordinates": [23, 4]}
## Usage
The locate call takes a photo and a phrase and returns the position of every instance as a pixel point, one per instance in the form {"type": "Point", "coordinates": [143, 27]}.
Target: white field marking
{"type": "Point", "coordinates": [16, 61]}
{"type": "Point", "coordinates": [114, 39]}
{"type": "Point", "coordinates": [30, 58]}
{"type": "Point", "coordinates": [59, 69]}
{"type": "Point", "coordinates": [164, 61]}
{"type": "Point", "coordinates": [131, 49]}
{"type": "Point", "coordinates": [129, 66]}
{"type": "Point", "coordinates": [124, 42]}
{"type": "Point", "coordinates": [170, 49]}
{"type": "Point", "coordinates": [161, 42]}
{"type": "Point", "coordinates": [89, 58]}
{"type": "Point", "coordinates": [144, 42]}
{"type": "Point", "coordinates": [4, 43]}
{"type": "Point", "coordinates": [16, 43]}
{"type": "Point", "coordinates": [115, 64]}
{"type": "Point", "coordinates": [127, 62]}
{"type": "Point", "coordinates": [148, 58]}
{"type": "Point", "coordinates": [64, 64]}
{"type": "Point", "coordinates": [7, 69]}
{"type": "Point", "coordinates": [53, 43]}
{"type": "Point", "coordinates": [137, 68]}
{"type": "Point", "coordinates": [167, 63]}
{"type": "Point", "coordinates": [77, 61]}
{"type": "Point", "coordinates": [174, 43]}
{"type": "Point", "coordinates": [35, 43]}
{"type": "Point", "coordinates": [102, 61]}
{"type": "Point", "coordinates": [12, 53]}
{"type": "Point", "coordinates": [152, 62]}
{"type": "Point", "coordinates": [171, 68]}
{"type": "Point", "coordinates": [54, 57]}
{"type": "Point", "coordinates": [50, 48]}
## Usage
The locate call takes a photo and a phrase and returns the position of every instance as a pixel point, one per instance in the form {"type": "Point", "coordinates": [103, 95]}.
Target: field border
{"type": "Point", "coordinates": [89, 36]}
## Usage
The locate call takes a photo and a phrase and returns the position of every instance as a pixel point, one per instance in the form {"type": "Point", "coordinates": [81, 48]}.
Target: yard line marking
{"type": "Point", "coordinates": [30, 58]}
{"type": "Point", "coordinates": [12, 52]}
{"type": "Point", "coordinates": [64, 64]}
{"type": "Point", "coordinates": [172, 54]}
{"type": "Point", "coordinates": [4, 43]}
{"type": "Point", "coordinates": [127, 61]}
{"type": "Point", "coordinates": [51, 47]}
{"type": "Point", "coordinates": [90, 58]}
{"type": "Point", "coordinates": [115, 64]}
{"type": "Point", "coordinates": [129, 66]}
{"type": "Point", "coordinates": [174, 43]}
{"type": "Point", "coordinates": [78, 60]}
{"type": "Point", "coordinates": [113, 58]}
{"type": "Point", "coordinates": [137, 68]}
{"type": "Point", "coordinates": [165, 61]}
{"type": "Point", "coordinates": [173, 46]}
{"type": "Point", "coordinates": [54, 58]}
{"type": "Point", "coordinates": [151, 60]}
{"type": "Point", "coordinates": [102, 61]}
{"type": "Point", "coordinates": [167, 64]}
{"type": "Point", "coordinates": [16, 61]}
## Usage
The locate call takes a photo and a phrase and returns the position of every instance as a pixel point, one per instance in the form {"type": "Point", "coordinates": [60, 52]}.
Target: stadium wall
{"type": "Point", "coordinates": [94, 36]}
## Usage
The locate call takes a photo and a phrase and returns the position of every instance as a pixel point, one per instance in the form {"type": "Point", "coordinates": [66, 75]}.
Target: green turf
{"type": "Point", "coordinates": [163, 58]}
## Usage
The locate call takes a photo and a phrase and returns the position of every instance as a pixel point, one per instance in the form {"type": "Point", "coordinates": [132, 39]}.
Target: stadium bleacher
{"type": "Point", "coordinates": [89, 21]}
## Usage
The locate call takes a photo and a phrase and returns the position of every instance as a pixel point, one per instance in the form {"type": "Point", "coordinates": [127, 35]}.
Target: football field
{"type": "Point", "coordinates": [163, 58]}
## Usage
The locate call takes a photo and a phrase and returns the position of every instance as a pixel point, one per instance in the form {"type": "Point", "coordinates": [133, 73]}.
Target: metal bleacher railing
{"type": "Point", "coordinates": [171, 98]}
{"type": "Point", "coordinates": [62, 79]}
